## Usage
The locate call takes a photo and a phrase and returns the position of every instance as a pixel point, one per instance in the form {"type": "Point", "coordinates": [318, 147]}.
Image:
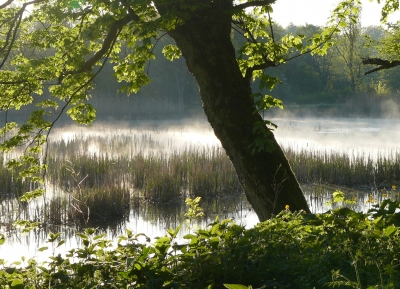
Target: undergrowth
{"type": "Point", "coordinates": [338, 249]}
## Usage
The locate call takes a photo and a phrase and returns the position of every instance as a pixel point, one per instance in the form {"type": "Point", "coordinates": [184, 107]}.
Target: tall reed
{"type": "Point", "coordinates": [141, 165]}
{"type": "Point", "coordinates": [356, 169]}
{"type": "Point", "coordinates": [156, 177]}
{"type": "Point", "coordinates": [101, 176]}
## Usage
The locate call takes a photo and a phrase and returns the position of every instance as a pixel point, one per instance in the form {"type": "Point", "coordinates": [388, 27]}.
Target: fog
{"type": "Point", "coordinates": [370, 135]}
{"type": "Point", "coordinates": [341, 134]}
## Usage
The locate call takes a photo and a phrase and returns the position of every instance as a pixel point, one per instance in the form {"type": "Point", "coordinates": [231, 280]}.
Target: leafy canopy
{"type": "Point", "coordinates": [387, 50]}
{"type": "Point", "coordinates": [50, 52]}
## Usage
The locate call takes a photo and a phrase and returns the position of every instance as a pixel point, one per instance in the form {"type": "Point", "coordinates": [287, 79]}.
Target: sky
{"type": "Point", "coordinates": [317, 12]}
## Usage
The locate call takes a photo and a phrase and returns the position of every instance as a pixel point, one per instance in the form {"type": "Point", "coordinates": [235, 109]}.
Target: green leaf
{"type": "Point", "coordinates": [171, 52]}
{"type": "Point", "coordinates": [236, 286]}
{"type": "Point", "coordinates": [124, 275]}
{"type": "Point", "coordinates": [90, 231]}
{"type": "Point", "coordinates": [99, 236]}
{"type": "Point", "coordinates": [17, 284]}
{"type": "Point", "coordinates": [173, 233]}
{"type": "Point", "coordinates": [44, 269]}
{"type": "Point", "coordinates": [26, 226]}
{"type": "Point", "coordinates": [53, 237]}
{"type": "Point", "coordinates": [28, 196]}
{"type": "Point", "coordinates": [83, 236]}
{"type": "Point", "coordinates": [74, 4]}
{"type": "Point", "coordinates": [189, 236]}
{"type": "Point", "coordinates": [338, 196]}
{"type": "Point", "coordinates": [60, 243]}
{"type": "Point", "coordinates": [82, 113]}
{"type": "Point", "coordinates": [389, 231]}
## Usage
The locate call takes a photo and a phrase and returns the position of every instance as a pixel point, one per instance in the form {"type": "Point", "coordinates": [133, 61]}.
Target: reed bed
{"type": "Point", "coordinates": [98, 178]}
{"type": "Point", "coordinates": [11, 185]}
{"type": "Point", "coordinates": [357, 169]}
{"type": "Point", "coordinates": [155, 177]}
{"type": "Point", "coordinates": [144, 166]}
{"type": "Point", "coordinates": [98, 206]}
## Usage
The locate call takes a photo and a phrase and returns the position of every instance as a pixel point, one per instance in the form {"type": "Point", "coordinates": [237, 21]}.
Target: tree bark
{"type": "Point", "coordinates": [205, 43]}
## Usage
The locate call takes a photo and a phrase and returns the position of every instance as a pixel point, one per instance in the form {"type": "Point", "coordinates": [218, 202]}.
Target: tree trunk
{"type": "Point", "coordinates": [267, 179]}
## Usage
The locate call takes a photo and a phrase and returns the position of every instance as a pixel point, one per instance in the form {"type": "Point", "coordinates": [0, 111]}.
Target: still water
{"type": "Point", "coordinates": [345, 135]}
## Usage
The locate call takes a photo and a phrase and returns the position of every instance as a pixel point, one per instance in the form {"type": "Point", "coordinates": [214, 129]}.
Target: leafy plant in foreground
{"type": "Point", "coordinates": [340, 249]}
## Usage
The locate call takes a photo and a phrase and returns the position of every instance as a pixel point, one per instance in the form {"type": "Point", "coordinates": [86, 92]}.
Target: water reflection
{"type": "Point", "coordinates": [154, 219]}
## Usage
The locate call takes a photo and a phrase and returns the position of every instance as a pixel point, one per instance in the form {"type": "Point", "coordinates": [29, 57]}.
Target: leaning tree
{"type": "Point", "coordinates": [57, 47]}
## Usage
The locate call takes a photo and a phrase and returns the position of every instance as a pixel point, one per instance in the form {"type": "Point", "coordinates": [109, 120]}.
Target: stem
{"type": "Point", "coordinates": [356, 270]}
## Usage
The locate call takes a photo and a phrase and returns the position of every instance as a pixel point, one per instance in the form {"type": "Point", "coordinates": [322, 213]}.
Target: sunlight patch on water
{"type": "Point", "coordinates": [93, 149]}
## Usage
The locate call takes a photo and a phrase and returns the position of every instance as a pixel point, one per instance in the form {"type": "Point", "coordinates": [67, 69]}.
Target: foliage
{"type": "Point", "coordinates": [194, 211]}
{"type": "Point", "coordinates": [349, 46]}
{"type": "Point", "coordinates": [338, 197]}
{"type": "Point", "coordinates": [50, 58]}
{"type": "Point", "coordinates": [388, 46]}
{"type": "Point", "coordinates": [388, 55]}
{"type": "Point", "coordinates": [389, 7]}
{"type": "Point", "coordinates": [340, 248]}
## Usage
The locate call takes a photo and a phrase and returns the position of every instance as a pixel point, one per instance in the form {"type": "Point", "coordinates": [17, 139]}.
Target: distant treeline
{"type": "Point", "coordinates": [331, 83]}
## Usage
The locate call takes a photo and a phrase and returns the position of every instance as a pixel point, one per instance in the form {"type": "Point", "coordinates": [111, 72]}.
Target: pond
{"type": "Point", "coordinates": [116, 157]}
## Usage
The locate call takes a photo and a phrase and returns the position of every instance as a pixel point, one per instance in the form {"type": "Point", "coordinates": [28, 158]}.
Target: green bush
{"type": "Point", "coordinates": [337, 249]}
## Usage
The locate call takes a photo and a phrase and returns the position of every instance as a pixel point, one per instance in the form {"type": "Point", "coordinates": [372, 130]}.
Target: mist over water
{"type": "Point", "coordinates": [168, 136]}
{"type": "Point", "coordinates": [351, 135]}
{"type": "Point", "coordinates": [330, 133]}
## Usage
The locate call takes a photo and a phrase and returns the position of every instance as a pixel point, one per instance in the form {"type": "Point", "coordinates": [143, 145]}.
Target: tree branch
{"type": "Point", "coordinates": [4, 5]}
{"type": "Point", "coordinates": [108, 42]}
{"type": "Point", "coordinates": [12, 32]}
{"type": "Point", "coordinates": [253, 4]}
{"type": "Point", "coordinates": [249, 70]}
{"type": "Point", "coordinates": [17, 82]}
{"type": "Point", "coordinates": [267, 62]}
{"type": "Point", "coordinates": [315, 48]}
{"type": "Point", "coordinates": [383, 64]}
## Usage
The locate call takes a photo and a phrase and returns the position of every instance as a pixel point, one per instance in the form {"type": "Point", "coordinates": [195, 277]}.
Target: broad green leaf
{"type": "Point", "coordinates": [83, 236]}
{"type": "Point", "coordinates": [389, 231]}
{"type": "Point", "coordinates": [17, 284]}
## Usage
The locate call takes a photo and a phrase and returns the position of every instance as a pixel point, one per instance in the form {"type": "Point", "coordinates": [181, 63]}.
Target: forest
{"type": "Point", "coordinates": [329, 85]}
